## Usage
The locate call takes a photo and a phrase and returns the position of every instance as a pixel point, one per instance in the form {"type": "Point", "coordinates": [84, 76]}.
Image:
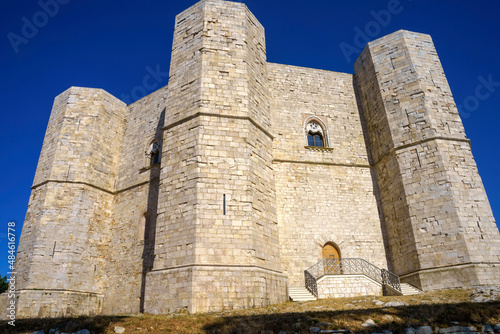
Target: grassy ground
{"type": "Point", "coordinates": [443, 309]}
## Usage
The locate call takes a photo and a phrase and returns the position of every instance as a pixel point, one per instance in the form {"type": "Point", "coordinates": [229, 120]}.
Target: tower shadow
{"type": "Point", "coordinates": [150, 224]}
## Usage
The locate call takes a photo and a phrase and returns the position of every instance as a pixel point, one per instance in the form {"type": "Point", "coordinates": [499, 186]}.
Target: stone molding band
{"type": "Point", "coordinates": [418, 142]}
{"type": "Point", "coordinates": [135, 185]}
{"type": "Point", "coordinates": [274, 160]}
{"type": "Point", "coordinates": [219, 266]}
{"type": "Point", "coordinates": [94, 186]}
{"type": "Point", "coordinates": [307, 162]}
{"type": "Point", "coordinates": [468, 264]}
{"type": "Point", "coordinates": [195, 115]}
{"type": "Point", "coordinates": [97, 294]}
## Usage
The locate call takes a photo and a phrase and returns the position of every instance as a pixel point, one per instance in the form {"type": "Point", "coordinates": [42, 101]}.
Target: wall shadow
{"type": "Point", "coordinates": [271, 320]}
{"type": "Point", "coordinates": [152, 209]}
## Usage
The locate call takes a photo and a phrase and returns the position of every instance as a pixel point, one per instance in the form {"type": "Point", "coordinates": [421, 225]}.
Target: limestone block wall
{"type": "Point", "coordinates": [68, 154]}
{"type": "Point", "coordinates": [174, 230]}
{"type": "Point", "coordinates": [323, 194]}
{"type": "Point", "coordinates": [340, 286]}
{"type": "Point", "coordinates": [130, 253]}
{"type": "Point", "coordinates": [185, 65]}
{"type": "Point", "coordinates": [435, 207]}
{"type": "Point", "coordinates": [57, 304]}
{"type": "Point", "coordinates": [242, 287]}
{"type": "Point", "coordinates": [66, 231]}
{"type": "Point", "coordinates": [143, 122]}
{"type": "Point", "coordinates": [235, 141]}
{"type": "Point", "coordinates": [70, 241]}
{"type": "Point", "coordinates": [240, 206]}
{"type": "Point", "coordinates": [214, 288]}
{"type": "Point", "coordinates": [216, 201]}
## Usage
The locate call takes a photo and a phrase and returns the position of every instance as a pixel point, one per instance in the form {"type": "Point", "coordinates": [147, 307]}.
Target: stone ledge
{"type": "Point", "coordinates": [319, 148]}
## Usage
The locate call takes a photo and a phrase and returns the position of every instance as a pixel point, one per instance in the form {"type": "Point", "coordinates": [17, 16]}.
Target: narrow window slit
{"type": "Point", "coordinates": [432, 79]}
{"type": "Point", "coordinates": [54, 249]}
{"type": "Point", "coordinates": [224, 204]}
{"type": "Point", "coordinates": [407, 116]}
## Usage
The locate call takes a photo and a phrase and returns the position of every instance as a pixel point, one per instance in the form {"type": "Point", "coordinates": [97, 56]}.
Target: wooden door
{"type": "Point", "coordinates": [329, 251]}
{"type": "Point", "coordinates": [332, 266]}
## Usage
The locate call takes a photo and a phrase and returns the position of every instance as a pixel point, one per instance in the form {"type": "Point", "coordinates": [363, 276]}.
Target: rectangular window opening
{"type": "Point", "coordinates": [224, 204]}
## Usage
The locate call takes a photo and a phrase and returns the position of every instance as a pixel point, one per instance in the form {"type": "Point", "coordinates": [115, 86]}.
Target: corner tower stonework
{"type": "Point", "coordinates": [217, 235]}
{"type": "Point", "coordinates": [65, 237]}
{"type": "Point", "coordinates": [440, 229]}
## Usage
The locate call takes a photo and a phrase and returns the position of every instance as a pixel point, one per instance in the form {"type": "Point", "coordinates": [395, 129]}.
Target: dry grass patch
{"type": "Point", "coordinates": [443, 309]}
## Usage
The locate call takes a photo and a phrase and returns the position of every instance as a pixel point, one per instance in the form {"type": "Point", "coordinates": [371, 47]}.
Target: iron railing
{"type": "Point", "coordinates": [349, 267]}
{"type": "Point", "coordinates": [391, 280]}
{"type": "Point", "coordinates": [311, 284]}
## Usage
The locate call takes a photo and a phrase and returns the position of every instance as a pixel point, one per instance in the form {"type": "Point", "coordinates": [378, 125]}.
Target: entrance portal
{"type": "Point", "coordinates": [331, 256]}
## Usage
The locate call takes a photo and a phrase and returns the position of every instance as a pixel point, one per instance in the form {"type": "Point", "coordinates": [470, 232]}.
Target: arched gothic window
{"type": "Point", "coordinates": [315, 134]}
{"type": "Point", "coordinates": [154, 153]}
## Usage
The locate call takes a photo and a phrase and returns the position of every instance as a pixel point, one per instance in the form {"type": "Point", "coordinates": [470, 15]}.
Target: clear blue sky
{"type": "Point", "coordinates": [113, 44]}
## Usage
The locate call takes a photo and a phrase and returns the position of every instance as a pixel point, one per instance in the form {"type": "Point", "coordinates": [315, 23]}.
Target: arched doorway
{"type": "Point", "coordinates": [330, 250]}
{"type": "Point", "coordinates": [331, 256]}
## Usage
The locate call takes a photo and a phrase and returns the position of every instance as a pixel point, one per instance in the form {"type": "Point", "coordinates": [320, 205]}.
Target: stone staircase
{"type": "Point", "coordinates": [407, 290]}
{"type": "Point", "coordinates": [300, 294]}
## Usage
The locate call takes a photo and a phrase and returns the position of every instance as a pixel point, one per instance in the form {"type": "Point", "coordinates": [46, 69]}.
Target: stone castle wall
{"type": "Point", "coordinates": [67, 228]}
{"type": "Point", "coordinates": [434, 203]}
{"type": "Point", "coordinates": [324, 194]}
{"type": "Point", "coordinates": [216, 202]}
{"type": "Point", "coordinates": [240, 206]}
{"type": "Point", "coordinates": [130, 253]}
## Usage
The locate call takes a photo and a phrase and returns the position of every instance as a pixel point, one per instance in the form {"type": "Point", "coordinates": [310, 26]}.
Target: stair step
{"type": "Point", "coordinates": [408, 289]}
{"type": "Point", "coordinates": [300, 294]}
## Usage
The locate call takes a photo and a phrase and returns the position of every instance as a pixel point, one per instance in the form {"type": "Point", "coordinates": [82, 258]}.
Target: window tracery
{"type": "Point", "coordinates": [316, 133]}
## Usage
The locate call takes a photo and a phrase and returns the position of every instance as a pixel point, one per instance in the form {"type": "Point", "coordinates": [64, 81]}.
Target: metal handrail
{"type": "Point", "coordinates": [311, 284]}
{"type": "Point", "coordinates": [349, 266]}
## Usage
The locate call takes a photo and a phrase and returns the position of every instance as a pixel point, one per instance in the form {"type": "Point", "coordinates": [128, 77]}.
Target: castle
{"type": "Point", "coordinates": [220, 189]}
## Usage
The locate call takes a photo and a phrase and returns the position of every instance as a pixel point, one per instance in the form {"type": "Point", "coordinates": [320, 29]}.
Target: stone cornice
{"type": "Point", "coordinates": [198, 114]}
